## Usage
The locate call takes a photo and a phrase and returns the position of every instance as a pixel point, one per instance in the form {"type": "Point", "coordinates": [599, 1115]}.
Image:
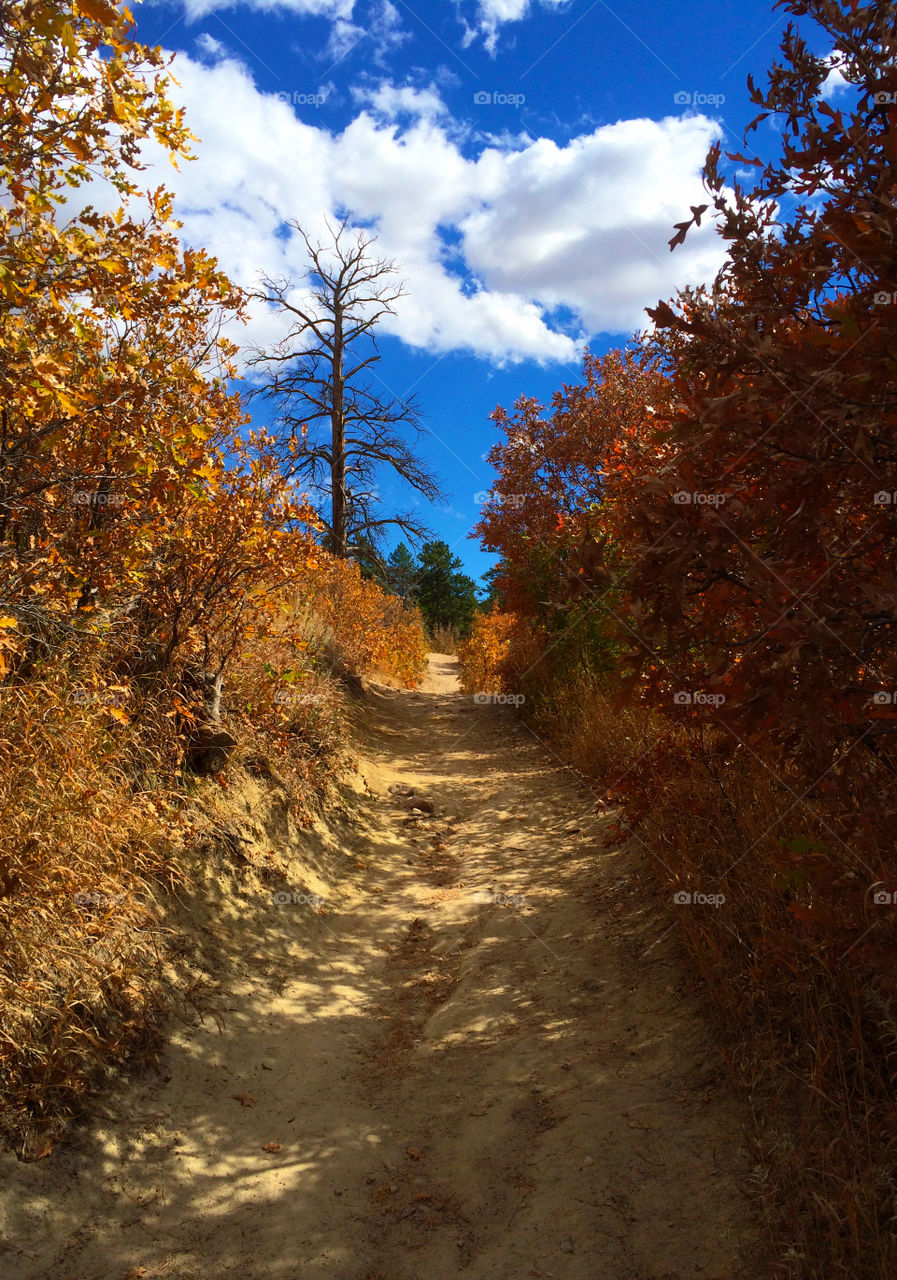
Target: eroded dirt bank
{"type": "Point", "coordinates": [480, 1058]}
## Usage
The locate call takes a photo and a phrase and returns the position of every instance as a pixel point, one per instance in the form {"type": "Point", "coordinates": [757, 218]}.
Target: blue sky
{"type": "Point", "coordinates": [522, 161]}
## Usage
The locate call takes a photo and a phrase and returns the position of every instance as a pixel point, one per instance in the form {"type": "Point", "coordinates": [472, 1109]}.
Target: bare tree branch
{"type": "Point", "coordinates": [336, 432]}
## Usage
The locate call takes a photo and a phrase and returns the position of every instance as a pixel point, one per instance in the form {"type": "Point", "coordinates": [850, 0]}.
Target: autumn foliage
{"type": "Point", "coordinates": [373, 631]}
{"type": "Point", "coordinates": [702, 534]}
{"type": "Point", "coordinates": [148, 542]}
{"type": "Point", "coordinates": [483, 657]}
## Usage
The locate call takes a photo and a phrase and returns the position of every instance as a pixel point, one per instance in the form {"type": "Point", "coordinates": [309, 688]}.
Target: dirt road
{"type": "Point", "coordinates": [480, 1058]}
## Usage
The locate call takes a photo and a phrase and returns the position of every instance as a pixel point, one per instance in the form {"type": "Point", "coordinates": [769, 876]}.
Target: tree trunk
{"type": "Point", "coordinates": [338, 432]}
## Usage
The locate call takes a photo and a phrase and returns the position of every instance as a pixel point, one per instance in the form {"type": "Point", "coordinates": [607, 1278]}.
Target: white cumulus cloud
{"type": "Point", "coordinates": [337, 10]}
{"type": "Point", "coordinates": [487, 18]}
{"type": "Point", "coordinates": [835, 81]}
{"type": "Point", "coordinates": [494, 243]}
{"type": "Point", "coordinates": [393, 101]}
{"type": "Point", "coordinates": [382, 35]}
{"type": "Point", "coordinates": [492, 15]}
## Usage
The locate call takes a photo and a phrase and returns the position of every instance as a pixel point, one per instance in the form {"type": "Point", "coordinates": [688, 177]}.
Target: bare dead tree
{"type": "Point", "coordinates": [338, 434]}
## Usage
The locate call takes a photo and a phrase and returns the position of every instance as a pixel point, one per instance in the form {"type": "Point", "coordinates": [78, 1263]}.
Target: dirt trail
{"type": "Point", "coordinates": [482, 1060]}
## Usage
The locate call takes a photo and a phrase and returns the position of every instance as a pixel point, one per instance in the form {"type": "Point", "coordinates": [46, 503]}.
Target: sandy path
{"type": "Point", "coordinates": [482, 1061]}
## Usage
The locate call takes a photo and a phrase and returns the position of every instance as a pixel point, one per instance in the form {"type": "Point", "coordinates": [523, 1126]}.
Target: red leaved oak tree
{"type": "Point", "coordinates": [762, 547]}
{"type": "Point", "coordinates": [728, 505]}
{"type": "Point", "coordinates": [547, 514]}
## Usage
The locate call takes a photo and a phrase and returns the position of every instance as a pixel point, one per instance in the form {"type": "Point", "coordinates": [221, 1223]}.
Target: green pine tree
{"type": "Point", "coordinates": [446, 595]}
{"type": "Point", "coordinates": [401, 573]}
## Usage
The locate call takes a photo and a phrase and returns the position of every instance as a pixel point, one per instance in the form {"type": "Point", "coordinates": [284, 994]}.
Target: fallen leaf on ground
{"type": "Point", "coordinates": [244, 1099]}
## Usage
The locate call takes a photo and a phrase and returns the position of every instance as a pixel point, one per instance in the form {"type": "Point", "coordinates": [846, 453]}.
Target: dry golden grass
{"type": "Point", "coordinates": [369, 630]}
{"type": "Point", "coordinates": [288, 704]}
{"type": "Point", "coordinates": [98, 817]}
{"type": "Point", "coordinates": [444, 640]}
{"type": "Point", "coordinates": [799, 965]}
{"type": "Point", "coordinates": [87, 849]}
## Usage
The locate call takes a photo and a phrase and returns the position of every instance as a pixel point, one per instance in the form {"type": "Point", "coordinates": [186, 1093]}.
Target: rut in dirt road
{"type": "Point", "coordinates": [482, 1059]}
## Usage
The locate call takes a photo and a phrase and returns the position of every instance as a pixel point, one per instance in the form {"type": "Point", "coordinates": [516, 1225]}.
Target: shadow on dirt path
{"type": "Point", "coordinates": [481, 1058]}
